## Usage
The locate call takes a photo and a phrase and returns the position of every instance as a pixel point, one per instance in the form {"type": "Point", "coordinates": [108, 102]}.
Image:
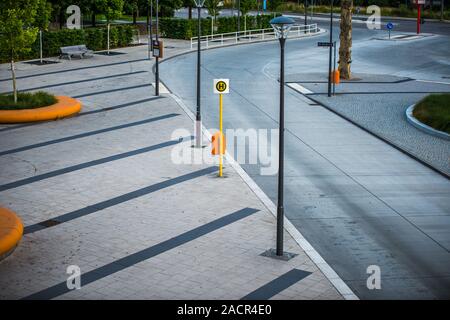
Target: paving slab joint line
{"type": "Point", "coordinates": [324, 267]}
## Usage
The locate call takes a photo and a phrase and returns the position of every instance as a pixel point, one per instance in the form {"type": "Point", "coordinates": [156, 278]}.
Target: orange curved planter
{"type": "Point", "coordinates": [11, 231]}
{"type": "Point", "coordinates": [65, 106]}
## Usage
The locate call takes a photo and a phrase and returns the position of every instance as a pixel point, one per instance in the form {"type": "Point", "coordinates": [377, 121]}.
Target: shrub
{"type": "Point", "coordinates": [434, 111]}
{"type": "Point", "coordinates": [177, 28]}
{"type": "Point", "coordinates": [26, 100]}
{"type": "Point", "coordinates": [93, 38]}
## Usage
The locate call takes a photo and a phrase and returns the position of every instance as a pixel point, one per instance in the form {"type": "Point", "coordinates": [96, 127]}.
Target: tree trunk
{"type": "Point", "coordinates": [13, 71]}
{"type": "Point", "coordinates": [134, 17]}
{"type": "Point", "coordinates": [61, 18]}
{"type": "Point", "coordinates": [190, 12]}
{"type": "Point", "coordinates": [345, 49]}
{"type": "Point", "coordinates": [93, 18]}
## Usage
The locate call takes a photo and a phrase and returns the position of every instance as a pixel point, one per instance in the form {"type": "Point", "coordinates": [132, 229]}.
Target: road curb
{"type": "Point", "coordinates": [421, 126]}
{"type": "Point", "coordinates": [389, 142]}
{"type": "Point", "coordinates": [11, 231]}
{"type": "Point", "coordinates": [66, 106]}
{"type": "Point", "coordinates": [323, 266]}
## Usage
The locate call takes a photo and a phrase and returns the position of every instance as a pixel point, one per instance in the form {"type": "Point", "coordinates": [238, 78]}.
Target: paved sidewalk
{"type": "Point", "coordinates": [101, 191]}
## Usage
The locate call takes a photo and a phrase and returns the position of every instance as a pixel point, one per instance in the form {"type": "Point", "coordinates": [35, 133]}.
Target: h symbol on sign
{"type": "Point", "coordinates": [221, 86]}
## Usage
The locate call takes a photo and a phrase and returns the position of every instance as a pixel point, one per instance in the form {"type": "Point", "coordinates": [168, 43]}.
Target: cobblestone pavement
{"type": "Point", "coordinates": [385, 116]}
{"type": "Point", "coordinates": [100, 191]}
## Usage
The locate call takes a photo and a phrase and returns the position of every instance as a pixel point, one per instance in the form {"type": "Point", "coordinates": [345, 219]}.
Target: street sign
{"type": "Point", "coordinates": [221, 86]}
{"type": "Point", "coordinates": [324, 44]}
{"type": "Point", "coordinates": [420, 1]}
{"type": "Point", "coordinates": [390, 26]}
{"type": "Point", "coordinates": [158, 49]}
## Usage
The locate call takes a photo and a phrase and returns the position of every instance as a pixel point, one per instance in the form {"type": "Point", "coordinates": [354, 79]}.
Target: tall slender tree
{"type": "Point", "coordinates": [17, 32]}
{"type": "Point", "coordinates": [213, 9]}
{"type": "Point", "coordinates": [246, 6]}
{"type": "Point", "coordinates": [189, 4]}
{"type": "Point", "coordinates": [167, 7]}
{"type": "Point", "coordinates": [273, 5]}
{"type": "Point", "coordinates": [345, 48]}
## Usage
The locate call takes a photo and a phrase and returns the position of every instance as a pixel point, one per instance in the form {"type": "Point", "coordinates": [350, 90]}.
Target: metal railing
{"type": "Point", "coordinates": [221, 39]}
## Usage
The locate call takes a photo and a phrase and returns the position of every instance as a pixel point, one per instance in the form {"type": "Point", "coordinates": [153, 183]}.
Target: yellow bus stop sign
{"type": "Point", "coordinates": [221, 86]}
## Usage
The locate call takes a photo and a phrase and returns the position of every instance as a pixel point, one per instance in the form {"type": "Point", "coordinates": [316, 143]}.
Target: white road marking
{"type": "Point", "coordinates": [324, 267]}
{"type": "Point", "coordinates": [162, 88]}
{"type": "Point", "coordinates": [299, 88]}
{"type": "Point", "coordinates": [431, 81]}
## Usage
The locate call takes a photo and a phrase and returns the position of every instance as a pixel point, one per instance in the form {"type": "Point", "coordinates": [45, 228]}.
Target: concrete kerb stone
{"type": "Point", "coordinates": [324, 267]}
{"type": "Point", "coordinates": [421, 126]}
{"type": "Point", "coordinates": [65, 107]}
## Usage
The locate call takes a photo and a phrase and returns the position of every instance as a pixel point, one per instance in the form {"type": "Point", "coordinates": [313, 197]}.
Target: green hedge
{"type": "Point", "coordinates": [93, 38]}
{"type": "Point", "coordinates": [177, 28]}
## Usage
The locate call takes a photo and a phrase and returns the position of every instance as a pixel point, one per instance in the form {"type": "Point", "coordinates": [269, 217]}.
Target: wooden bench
{"type": "Point", "coordinates": [79, 50]}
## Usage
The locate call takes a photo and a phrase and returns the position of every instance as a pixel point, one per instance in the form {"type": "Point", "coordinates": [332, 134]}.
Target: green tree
{"type": "Point", "coordinates": [132, 7]}
{"type": "Point", "coordinates": [246, 6]}
{"type": "Point", "coordinates": [213, 10]}
{"type": "Point", "coordinates": [167, 7]}
{"type": "Point", "coordinates": [43, 14]}
{"type": "Point", "coordinates": [112, 9]}
{"type": "Point", "coordinates": [189, 4]}
{"type": "Point", "coordinates": [272, 5]}
{"type": "Point", "coordinates": [17, 32]}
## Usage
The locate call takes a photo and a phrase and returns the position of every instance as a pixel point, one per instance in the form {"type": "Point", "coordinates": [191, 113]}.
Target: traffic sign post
{"type": "Point", "coordinates": [158, 49]}
{"type": "Point", "coordinates": [334, 69]}
{"type": "Point", "coordinates": [331, 71]}
{"type": "Point", "coordinates": [221, 87]}
{"type": "Point", "coordinates": [390, 26]}
{"type": "Point", "coordinates": [419, 4]}
{"type": "Point", "coordinates": [324, 44]}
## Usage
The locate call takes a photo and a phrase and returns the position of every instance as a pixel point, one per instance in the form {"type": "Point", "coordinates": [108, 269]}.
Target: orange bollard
{"type": "Point", "coordinates": [216, 144]}
{"type": "Point", "coordinates": [336, 77]}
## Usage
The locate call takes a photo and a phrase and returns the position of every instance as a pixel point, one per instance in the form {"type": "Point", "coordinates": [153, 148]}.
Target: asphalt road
{"type": "Point", "coordinates": [357, 200]}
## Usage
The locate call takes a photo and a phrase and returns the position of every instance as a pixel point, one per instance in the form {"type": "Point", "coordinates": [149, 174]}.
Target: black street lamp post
{"type": "Point", "coordinates": [331, 49]}
{"type": "Point", "coordinates": [198, 117]}
{"type": "Point", "coordinates": [239, 20]}
{"type": "Point", "coordinates": [306, 17]}
{"type": "Point", "coordinates": [157, 58]}
{"type": "Point", "coordinates": [281, 25]}
{"type": "Point", "coordinates": [150, 28]}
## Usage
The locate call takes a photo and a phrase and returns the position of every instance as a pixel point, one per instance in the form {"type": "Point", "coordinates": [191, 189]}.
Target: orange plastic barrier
{"type": "Point", "coordinates": [336, 77]}
{"type": "Point", "coordinates": [215, 141]}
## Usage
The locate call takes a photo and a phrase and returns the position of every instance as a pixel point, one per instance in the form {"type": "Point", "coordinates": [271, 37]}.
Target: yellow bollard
{"type": "Point", "coordinates": [221, 86]}
{"type": "Point", "coordinates": [221, 146]}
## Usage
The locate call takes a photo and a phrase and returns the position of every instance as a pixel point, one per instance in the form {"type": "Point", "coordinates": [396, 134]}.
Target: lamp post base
{"type": "Point", "coordinates": [272, 253]}
{"type": "Point", "coordinates": [198, 134]}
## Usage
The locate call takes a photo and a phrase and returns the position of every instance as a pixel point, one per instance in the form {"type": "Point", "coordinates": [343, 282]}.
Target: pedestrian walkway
{"type": "Point", "coordinates": [101, 192]}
